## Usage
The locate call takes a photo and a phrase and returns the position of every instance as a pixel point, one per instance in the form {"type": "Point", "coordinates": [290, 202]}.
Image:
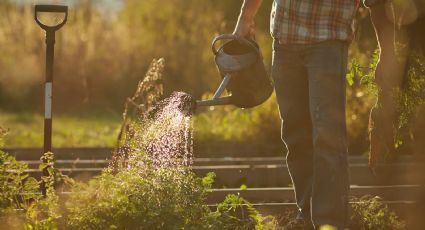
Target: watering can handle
{"type": "Point", "coordinates": [50, 9]}
{"type": "Point", "coordinates": [231, 37]}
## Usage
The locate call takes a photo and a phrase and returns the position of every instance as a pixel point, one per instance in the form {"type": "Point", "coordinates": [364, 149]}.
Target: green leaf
{"type": "Point", "coordinates": [243, 187]}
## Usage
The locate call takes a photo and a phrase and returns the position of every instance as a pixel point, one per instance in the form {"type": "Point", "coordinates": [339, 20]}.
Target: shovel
{"type": "Point", "coordinates": [50, 52]}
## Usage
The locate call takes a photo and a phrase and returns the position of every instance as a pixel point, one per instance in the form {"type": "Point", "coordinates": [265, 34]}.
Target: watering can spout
{"type": "Point", "coordinates": [217, 100]}
{"type": "Point", "coordinates": [213, 102]}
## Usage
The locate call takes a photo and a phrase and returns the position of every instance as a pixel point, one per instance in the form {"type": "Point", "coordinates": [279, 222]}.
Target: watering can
{"type": "Point", "coordinates": [240, 64]}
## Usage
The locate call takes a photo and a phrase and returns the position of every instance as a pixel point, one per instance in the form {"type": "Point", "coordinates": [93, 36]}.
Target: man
{"type": "Point", "coordinates": [309, 66]}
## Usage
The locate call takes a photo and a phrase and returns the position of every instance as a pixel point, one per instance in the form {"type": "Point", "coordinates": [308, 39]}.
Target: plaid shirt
{"type": "Point", "coordinates": [311, 21]}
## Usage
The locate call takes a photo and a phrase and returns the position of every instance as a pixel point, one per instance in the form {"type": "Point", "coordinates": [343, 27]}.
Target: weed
{"type": "Point", "coordinates": [369, 213]}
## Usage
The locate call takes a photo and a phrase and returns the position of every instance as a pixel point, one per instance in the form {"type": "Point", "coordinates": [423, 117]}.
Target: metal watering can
{"type": "Point", "coordinates": [241, 67]}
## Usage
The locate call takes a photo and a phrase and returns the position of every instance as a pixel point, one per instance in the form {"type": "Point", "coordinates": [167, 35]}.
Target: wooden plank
{"type": "Point", "coordinates": [78, 163]}
{"type": "Point", "coordinates": [286, 194]}
{"type": "Point", "coordinates": [232, 176]}
{"type": "Point", "coordinates": [34, 154]}
{"type": "Point", "coordinates": [278, 176]}
{"type": "Point", "coordinates": [403, 208]}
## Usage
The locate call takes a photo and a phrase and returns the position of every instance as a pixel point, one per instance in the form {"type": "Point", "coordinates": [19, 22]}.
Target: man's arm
{"type": "Point", "coordinates": [389, 74]}
{"type": "Point", "coordinates": [245, 24]}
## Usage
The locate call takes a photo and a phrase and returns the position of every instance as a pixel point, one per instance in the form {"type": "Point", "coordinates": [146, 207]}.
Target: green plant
{"type": "Point", "coordinates": [47, 212]}
{"type": "Point", "coordinates": [142, 198]}
{"type": "Point", "coordinates": [369, 213]}
{"type": "Point", "coordinates": [361, 96]}
{"type": "Point", "coordinates": [413, 94]}
{"type": "Point", "coordinates": [17, 189]}
{"type": "Point", "coordinates": [237, 213]}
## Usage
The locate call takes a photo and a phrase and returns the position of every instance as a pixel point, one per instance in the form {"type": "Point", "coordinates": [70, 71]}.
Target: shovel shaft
{"type": "Point", "coordinates": [48, 88]}
{"type": "Point", "coordinates": [48, 118]}
{"type": "Point", "coordinates": [50, 54]}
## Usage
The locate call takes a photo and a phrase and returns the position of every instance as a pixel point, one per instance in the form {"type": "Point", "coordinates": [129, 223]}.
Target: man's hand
{"type": "Point", "coordinates": [245, 28]}
{"type": "Point", "coordinates": [245, 25]}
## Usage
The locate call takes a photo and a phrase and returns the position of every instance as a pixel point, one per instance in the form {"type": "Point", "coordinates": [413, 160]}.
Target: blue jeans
{"type": "Point", "coordinates": [310, 88]}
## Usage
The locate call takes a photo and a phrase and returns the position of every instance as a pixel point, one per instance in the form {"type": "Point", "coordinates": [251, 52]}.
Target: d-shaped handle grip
{"type": "Point", "coordinates": [232, 37]}
{"type": "Point", "coordinates": [51, 9]}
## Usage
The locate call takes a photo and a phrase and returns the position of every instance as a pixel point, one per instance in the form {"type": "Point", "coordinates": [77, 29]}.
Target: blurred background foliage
{"type": "Point", "coordinates": [102, 54]}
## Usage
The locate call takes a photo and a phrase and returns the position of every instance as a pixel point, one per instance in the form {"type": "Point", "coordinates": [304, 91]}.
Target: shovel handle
{"type": "Point", "coordinates": [232, 37]}
{"type": "Point", "coordinates": [50, 9]}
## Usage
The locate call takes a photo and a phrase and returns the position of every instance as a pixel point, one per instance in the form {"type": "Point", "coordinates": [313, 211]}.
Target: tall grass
{"type": "Point", "coordinates": [100, 58]}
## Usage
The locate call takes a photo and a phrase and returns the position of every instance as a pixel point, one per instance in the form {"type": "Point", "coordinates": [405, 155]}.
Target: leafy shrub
{"type": "Point", "coordinates": [17, 189]}
{"type": "Point", "coordinates": [144, 198]}
{"type": "Point", "coordinates": [46, 212]}
{"type": "Point", "coordinates": [412, 97]}
{"type": "Point", "coordinates": [156, 199]}
{"type": "Point", "coordinates": [22, 206]}
{"type": "Point", "coordinates": [370, 213]}
{"type": "Point", "coordinates": [237, 213]}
